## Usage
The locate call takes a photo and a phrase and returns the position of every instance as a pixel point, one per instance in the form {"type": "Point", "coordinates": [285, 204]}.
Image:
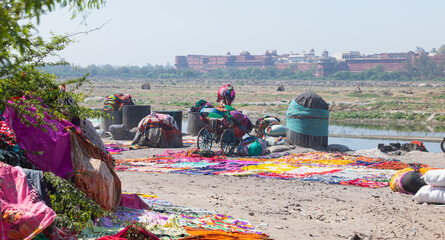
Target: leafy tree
{"type": "Point", "coordinates": [379, 68]}
{"type": "Point", "coordinates": [16, 18]}
{"type": "Point", "coordinates": [23, 85]}
{"type": "Point", "coordinates": [33, 92]}
{"type": "Point", "coordinates": [441, 50]}
{"type": "Point", "coordinates": [420, 49]}
{"type": "Point", "coordinates": [188, 74]}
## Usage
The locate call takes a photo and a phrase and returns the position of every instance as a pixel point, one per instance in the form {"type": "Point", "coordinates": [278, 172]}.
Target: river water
{"type": "Point", "coordinates": [388, 130]}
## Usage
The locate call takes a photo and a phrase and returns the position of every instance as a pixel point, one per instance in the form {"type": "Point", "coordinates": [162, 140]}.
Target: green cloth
{"type": "Point", "coordinates": [309, 121]}
{"type": "Point", "coordinates": [255, 148]}
{"type": "Point", "coordinates": [40, 237]}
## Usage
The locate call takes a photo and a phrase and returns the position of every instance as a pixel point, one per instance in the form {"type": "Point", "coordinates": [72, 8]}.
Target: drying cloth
{"type": "Point", "coordinates": [94, 171]}
{"type": "Point", "coordinates": [333, 168]}
{"type": "Point", "coordinates": [202, 233]}
{"type": "Point", "coordinates": [35, 178]}
{"type": "Point", "coordinates": [49, 151]}
{"type": "Point", "coordinates": [158, 130]}
{"type": "Point", "coordinates": [8, 140]}
{"type": "Point", "coordinates": [133, 201]}
{"type": "Point", "coordinates": [117, 101]}
{"type": "Point", "coordinates": [124, 234]}
{"type": "Point", "coordinates": [22, 214]}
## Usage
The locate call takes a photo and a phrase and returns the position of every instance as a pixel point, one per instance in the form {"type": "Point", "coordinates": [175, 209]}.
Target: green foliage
{"type": "Point", "coordinates": [16, 18]}
{"type": "Point", "coordinates": [363, 95]}
{"type": "Point", "coordinates": [72, 206]}
{"type": "Point", "coordinates": [441, 50]}
{"type": "Point", "coordinates": [423, 67]}
{"type": "Point", "coordinates": [188, 74]}
{"type": "Point", "coordinates": [377, 115]}
{"type": "Point", "coordinates": [178, 103]}
{"type": "Point", "coordinates": [161, 72]}
{"type": "Point", "coordinates": [440, 118]}
{"type": "Point", "coordinates": [357, 115]}
{"type": "Point", "coordinates": [24, 77]}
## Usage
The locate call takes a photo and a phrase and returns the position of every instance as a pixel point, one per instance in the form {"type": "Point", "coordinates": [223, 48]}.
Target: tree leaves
{"type": "Point", "coordinates": [33, 93]}
{"type": "Point", "coordinates": [16, 20]}
{"type": "Point", "coordinates": [72, 206]}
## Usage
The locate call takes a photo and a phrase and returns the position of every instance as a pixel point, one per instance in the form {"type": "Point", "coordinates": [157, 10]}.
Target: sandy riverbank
{"type": "Point", "coordinates": [292, 209]}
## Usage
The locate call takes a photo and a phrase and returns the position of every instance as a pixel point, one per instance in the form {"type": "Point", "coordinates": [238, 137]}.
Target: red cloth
{"type": "Point", "coordinates": [122, 235]}
{"type": "Point", "coordinates": [133, 201]}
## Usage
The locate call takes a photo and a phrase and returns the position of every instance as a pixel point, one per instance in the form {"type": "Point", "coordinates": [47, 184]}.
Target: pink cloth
{"type": "Point", "coordinates": [54, 145]}
{"type": "Point", "coordinates": [124, 234]}
{"type": "Point", "coordinates": [22, 214]}
{"type": "Point", "coordinates": [133, 201]}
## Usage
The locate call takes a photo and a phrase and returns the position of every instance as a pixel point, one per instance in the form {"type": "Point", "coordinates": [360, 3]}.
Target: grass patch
{"type": "Point", "coordinates": [378, 115]}
{"type": "Point", "coordinates": [363, 95]}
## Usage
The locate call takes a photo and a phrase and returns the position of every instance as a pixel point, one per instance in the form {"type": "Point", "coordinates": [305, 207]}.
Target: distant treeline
{"type": "Point", "coordinates": [422, 68]}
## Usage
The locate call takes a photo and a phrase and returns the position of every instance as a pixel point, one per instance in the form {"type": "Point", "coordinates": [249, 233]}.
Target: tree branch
{"type": "Point", "coordinates": [91, 30]}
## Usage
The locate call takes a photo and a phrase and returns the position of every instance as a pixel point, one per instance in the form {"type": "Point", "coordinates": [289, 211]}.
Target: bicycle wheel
{"type": "Point", "coordinates": [204, 141]}
{"type": "Point", "coordinates": [228, 142]}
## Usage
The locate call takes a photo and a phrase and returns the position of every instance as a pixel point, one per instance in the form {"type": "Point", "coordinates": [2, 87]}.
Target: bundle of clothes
{"type": "Point", "coordinates": [158, 130]}
{"type": "Point", "coordinates": [226, 95]}
{"type": "Point", "coordinates": [427, 185]}
{"type": "Point", "coordinates": [117, 101]}
{"type": "Point", "coordinates": [200, 105]}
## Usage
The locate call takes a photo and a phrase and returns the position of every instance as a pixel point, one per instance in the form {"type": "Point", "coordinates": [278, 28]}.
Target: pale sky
{"type": "Point", "coordinates": [149, 31]}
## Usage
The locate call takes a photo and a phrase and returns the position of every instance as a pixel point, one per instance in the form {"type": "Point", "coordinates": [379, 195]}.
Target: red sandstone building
{"type": "Point", "coordinates": [242, 61]}
{"type": "Point", "coordinates": [324, 65]}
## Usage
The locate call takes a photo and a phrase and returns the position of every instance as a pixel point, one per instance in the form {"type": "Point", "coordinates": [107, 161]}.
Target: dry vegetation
{"type": "Point", "coordinates": [260, 97]}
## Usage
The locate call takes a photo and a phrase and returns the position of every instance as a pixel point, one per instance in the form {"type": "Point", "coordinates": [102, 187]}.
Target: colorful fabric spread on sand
{"type": "Point", "coordinates": [333, 168]}
{"type": "Point", "coordinates": [169, 221]}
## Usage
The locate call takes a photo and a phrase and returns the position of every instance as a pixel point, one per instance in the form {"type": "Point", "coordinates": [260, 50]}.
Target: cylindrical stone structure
{"type": "Point", "coordinates": [115, 118]}
{"type": "Point", "coordinates": [133, 114]}
{"type": "Point", "coordinates": [194, 123]}
{"type": "Point", "coordinates": [176, 114]}
{"type": "Point", "coordinates": [307, 121]}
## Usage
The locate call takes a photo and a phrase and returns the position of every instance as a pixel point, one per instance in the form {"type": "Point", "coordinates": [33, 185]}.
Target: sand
{"type": "Point", "coordinates": [292, 209]}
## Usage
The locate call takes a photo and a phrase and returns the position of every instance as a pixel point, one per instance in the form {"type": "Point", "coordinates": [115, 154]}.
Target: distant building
{"type": "Point", "coordinates": [323, 65]}
{"type": "Point", "coordinates": [347, 55]}
{"type": "Point", "coordinates": [242, 61]}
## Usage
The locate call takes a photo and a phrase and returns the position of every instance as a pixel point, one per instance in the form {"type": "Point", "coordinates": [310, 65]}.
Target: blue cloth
{"type": "Point", "coordinates": [309, 121]}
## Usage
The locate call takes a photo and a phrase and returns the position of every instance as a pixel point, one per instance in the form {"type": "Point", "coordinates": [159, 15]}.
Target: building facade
{"type": "Point", "coordinates": [324, 65]}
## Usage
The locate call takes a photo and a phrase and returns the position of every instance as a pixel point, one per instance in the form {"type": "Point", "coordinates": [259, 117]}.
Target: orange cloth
{"type": "Point", "coordinates": [201, 233]}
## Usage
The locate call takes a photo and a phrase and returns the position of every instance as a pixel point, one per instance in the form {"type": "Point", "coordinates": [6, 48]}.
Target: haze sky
{"type": "Point", "coordinates": [147, 31]}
